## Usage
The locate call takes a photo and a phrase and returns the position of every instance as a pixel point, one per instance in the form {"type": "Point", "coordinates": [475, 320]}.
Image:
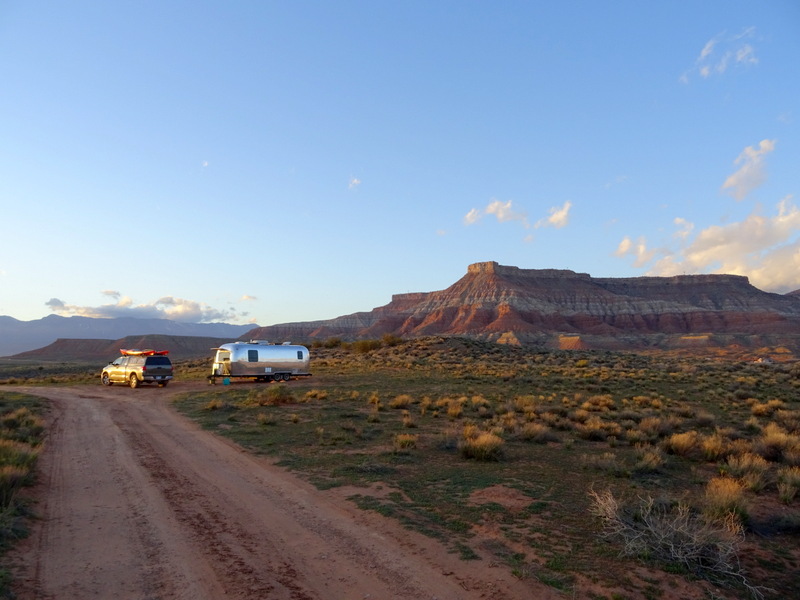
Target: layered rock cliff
{"type": "Point", "coordinates": [500, 303]}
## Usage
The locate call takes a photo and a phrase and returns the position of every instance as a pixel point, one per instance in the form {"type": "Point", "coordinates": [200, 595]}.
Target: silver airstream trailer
{"type": "Point", "coordinates": [261, 360]}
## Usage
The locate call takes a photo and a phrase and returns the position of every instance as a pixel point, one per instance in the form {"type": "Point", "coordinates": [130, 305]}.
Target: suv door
{"type": "Point", "coordinates": [117, 371]}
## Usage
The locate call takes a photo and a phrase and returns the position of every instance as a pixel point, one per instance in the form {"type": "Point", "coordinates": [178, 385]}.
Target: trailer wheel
{"type": "Point", "coordinates": [133, 381]}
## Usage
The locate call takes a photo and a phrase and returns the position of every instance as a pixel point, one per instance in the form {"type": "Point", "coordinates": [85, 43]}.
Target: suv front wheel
{"type": "Point", "coordinates": [134, 381]}
{"type": "Point", "coordinates": [105, 379]}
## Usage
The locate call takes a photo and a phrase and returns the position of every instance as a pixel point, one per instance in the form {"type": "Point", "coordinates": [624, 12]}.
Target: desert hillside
{"type": "Point", "coordinates": [565, 309]}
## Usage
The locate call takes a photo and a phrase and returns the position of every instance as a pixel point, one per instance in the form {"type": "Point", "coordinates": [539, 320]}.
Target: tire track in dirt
{"type": "Point", "coordinates": [139, 503]}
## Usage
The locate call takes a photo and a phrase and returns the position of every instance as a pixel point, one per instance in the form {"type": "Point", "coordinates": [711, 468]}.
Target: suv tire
{"type": "Point", "coordinates": [133, 381]}
{"type": "Point", "coordinates": [105, 379]}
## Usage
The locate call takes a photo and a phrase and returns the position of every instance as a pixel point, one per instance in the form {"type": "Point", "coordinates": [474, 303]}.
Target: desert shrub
{"type": "Point", "coordinates": [635, 436]}
{"type": "Point", "coordinates": [404, 442]}
{"type": "Point", "coordinates": [12, 478]}
{"type": "Point", "coordinates": [265, 419]}
{"type": "Point", "coordinates": [316, 395]}
{"type": "Point", "coordinates": [595, 429]}
{"type": "Point", "coordinates": [723, 496]}
{"type": "Point", "coordinates": [216, 404]}
{"type": "Point", "coordinates": [599, 403]}
{"type": "Point", "coordinates": [608, 462]}
{"type": "Point", "coordinates": [682, 444]}
{"type": "Point", "coordinates": [408, 420]}
{"type": "Point", "coordinates": [483, 447]}
{"type": "Point", "coordinates": [365, 346]}
{"type": "Point", "coordinates": [389, 340]}
{"type": "Point", "coordinates": [650, 459]}
{"type": "Point", "coordinates": [455, 408]}
{"type": "Point", "coordinates": [424, 405]}
{"type": "Point", "coordinates": [704, 419]}
{"type": "Point", "coordinates": [774, 442]}
{"type": "Point", "coordinates": [22, 425]}
{"type": "Point", "coordinates": [788, 483]}
{"type": "Point", "coordinates": [580, 415]}
{"type": "Point", "coordinates": [273, 395]}
{"type": "Point", "coordinates": [522, 403]}
{"type": "Point", "coordinates": [714, 447]}
{"type": "Point", "coordinates": [751, 469]}
{"type": "Point", "coordinates": [789, 420]}
{"type": "Point", "coordinates": [538, 433]}
{"type": "Point", "coordinates": [674, 534]}
{"type": "Point", "coordinates": [17, 454]}
{"type": "Point", "coordinates": [401, 401]}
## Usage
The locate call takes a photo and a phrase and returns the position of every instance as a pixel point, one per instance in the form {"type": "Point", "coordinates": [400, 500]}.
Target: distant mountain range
{"type": "Point", "coordinates": [19, 336]}
{"type": "Point", "coordinates": [505, 304]}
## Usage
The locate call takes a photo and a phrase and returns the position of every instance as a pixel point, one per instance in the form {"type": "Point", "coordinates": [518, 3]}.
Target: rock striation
{"type": "Point", "coordinates": [569, 309]}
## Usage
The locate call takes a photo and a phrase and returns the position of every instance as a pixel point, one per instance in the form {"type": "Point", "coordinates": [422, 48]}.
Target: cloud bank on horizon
{"type": "Point", "coordinates": [174, 309]}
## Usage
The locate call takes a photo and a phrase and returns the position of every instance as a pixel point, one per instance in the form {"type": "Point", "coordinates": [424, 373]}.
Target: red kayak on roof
{"type": "Point", "coordinates": [143, 352]}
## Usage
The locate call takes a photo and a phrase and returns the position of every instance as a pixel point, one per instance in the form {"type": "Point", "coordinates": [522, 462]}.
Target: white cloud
{"type": "Point", "coordinates": [685, 228]}
{"type": "Point", "coordinates": [248, 298]}
{"type": "Point", "coordinates": [167, 307]}
{"type": "Point", "coordinates": [751, 173]}
{"type": "Point", "coordinates": [354, 183]}
{"type": "Point", "coordinates": [764, 248]}
{"type": "Point", "coordinates": [722, 51]}
{"type": "Point", "coordinates": [637, 249]}
{"type": "Point", "coordinates": [559, 217]}
{"type": "Point", "coordinates": [472, 217]}
{"type": "Point", "coordinates": [505, 212]}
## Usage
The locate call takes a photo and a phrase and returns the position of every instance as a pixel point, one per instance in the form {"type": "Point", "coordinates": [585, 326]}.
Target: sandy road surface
{"type": "Point", "coordinates": [137, 502]}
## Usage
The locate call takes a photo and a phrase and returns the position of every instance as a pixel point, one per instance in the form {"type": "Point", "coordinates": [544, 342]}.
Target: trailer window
{"type": "Point", "coordinates": [252, 355]}
{"type": "Point", "coordinates": [299, 355]}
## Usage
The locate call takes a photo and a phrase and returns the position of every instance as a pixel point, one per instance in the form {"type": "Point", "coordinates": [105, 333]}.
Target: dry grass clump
{"type": "Point", "coordinates": [775, 443]}
{"type": "Point", "coordinates": [599, 403]}
{"type": "Point", "coordinates": [767, 408]}
{"type": "Point", "coordinates": [403, 442]}
{"type": "Point", "coordinates": [725, 495]}
{"type": "Point", "coordinates": [596, 429]}
{"type": "Point", "coordinates": [408, 420]}
{"type": "Point", "coordinates": [274, 395]}
{"type": "Point", "coordinates": [788, 483]}
{"type": "Point", "coordinates": [751, 469]}
{"type": "Point", "coordinates": [316, 395]}
{"type": "Point", "coordinates": [17, 454]}
{"type": "Point", "coordinates": [654, 428]}
{"type": "Point", "coordinates": [22, 425]}
{"type": "Point", "coordinates": [216, 404]}
{"type": "Point", "coordinates": [401, 401]}
{"type": "Point", "coordinates": [714, 447]}
{"type": "Point", "coordinates": [481, 445]}
{"type": "Point", "coordinates": [673, 533]}
{"type": "Point", "coordinates": [538, 433]}
{"type": "Point", "coordinates": [683, 444]}
{"type": "Point", "coordinates": [607, 462]}
{"type": "Point", "coordinates": [650, 459]}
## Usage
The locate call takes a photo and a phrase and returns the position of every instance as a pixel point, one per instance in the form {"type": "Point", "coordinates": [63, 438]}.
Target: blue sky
{"type": "Point", "coordinates": [272, 162]}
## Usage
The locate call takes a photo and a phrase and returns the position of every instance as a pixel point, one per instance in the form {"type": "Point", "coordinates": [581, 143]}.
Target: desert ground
{"type": "Point", "coordinates": [135, 501]}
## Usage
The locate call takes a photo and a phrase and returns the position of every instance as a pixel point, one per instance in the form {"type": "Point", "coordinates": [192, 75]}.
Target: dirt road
{"type": "Point", "coordinates": [137, 502]}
